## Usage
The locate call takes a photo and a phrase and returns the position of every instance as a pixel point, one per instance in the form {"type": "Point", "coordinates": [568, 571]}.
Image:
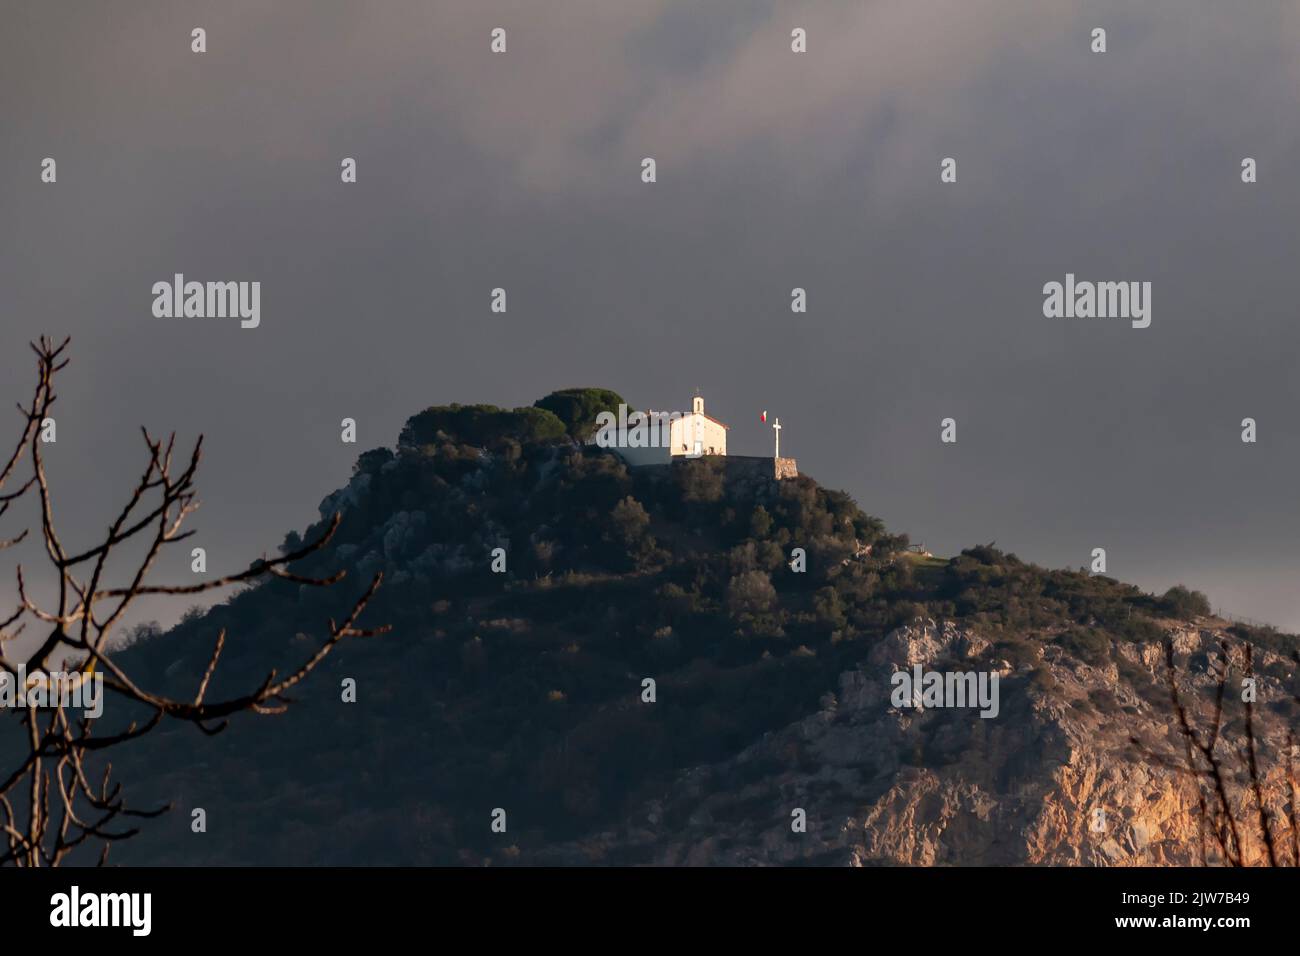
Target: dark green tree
{"type": "Point", "coordinates": [480, 425]}
{"type": "Point", "coordinates": [577, 408]}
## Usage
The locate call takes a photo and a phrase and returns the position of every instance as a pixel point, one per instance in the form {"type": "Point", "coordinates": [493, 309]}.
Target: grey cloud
{"type": "Point", "coordinates": [775, 170]}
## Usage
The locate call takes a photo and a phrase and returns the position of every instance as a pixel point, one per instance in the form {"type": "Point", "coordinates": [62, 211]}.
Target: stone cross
{"type": "Point", "coordinates": [776, 427]}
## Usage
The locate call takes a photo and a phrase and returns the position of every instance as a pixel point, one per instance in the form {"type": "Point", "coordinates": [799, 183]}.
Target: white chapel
{"type": "Point", "coordinates": [657, 438]}
{"type": "Point", "coordinates": [697, 434]}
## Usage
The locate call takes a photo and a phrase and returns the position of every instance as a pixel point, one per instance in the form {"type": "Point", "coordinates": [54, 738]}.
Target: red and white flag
{"type": "Point", "coordinates": [763, 418]}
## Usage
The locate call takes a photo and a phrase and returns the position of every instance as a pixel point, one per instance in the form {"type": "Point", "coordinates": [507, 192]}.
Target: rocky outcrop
{"type": "Point", "coordinates": [1054, 779]}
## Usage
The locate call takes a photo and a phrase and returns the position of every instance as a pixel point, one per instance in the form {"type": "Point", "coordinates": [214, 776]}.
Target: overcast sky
{"type": "Point", "coordinates": [775, 170]}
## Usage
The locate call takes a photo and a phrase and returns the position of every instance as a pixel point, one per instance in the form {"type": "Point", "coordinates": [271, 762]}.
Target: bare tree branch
{"type": "Point", "coordinates": [63, 811]}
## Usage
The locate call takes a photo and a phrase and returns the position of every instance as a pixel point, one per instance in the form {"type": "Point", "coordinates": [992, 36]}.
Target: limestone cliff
{"type": "Point", "coordinates": [1054, 779]}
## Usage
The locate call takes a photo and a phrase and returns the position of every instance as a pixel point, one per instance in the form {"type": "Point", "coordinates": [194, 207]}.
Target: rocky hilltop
{"type": "Point", "coordinates": [1059, 782]}
{"type": "Point", "coordinates": [692, 665]}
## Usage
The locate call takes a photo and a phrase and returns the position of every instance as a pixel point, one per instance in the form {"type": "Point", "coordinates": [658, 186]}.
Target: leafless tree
{"type": "Point", "coordinates": [1207, 760]}
{"type": "Point", "coordinates": [59, 807]}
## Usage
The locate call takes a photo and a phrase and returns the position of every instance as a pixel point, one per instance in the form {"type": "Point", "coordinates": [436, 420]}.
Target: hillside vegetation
{"type": "Point", "coordinates": [524, 689]}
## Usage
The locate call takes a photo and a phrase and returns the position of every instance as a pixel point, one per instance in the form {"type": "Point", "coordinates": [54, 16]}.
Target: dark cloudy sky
{"type": "Point", "coordinates": [775, 170]}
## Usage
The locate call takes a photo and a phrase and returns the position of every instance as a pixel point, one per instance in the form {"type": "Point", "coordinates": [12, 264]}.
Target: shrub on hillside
{"type": "Point", "coordinates": [1179, 601]}
{"type": "Point", "coordinates": [1087, 644]}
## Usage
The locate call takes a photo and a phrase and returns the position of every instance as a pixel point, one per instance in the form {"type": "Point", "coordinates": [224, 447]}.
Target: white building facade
{"type": "Point", "coordinates": [656, 438]}
{"type": "Point", "coordinates": [697, 434]}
